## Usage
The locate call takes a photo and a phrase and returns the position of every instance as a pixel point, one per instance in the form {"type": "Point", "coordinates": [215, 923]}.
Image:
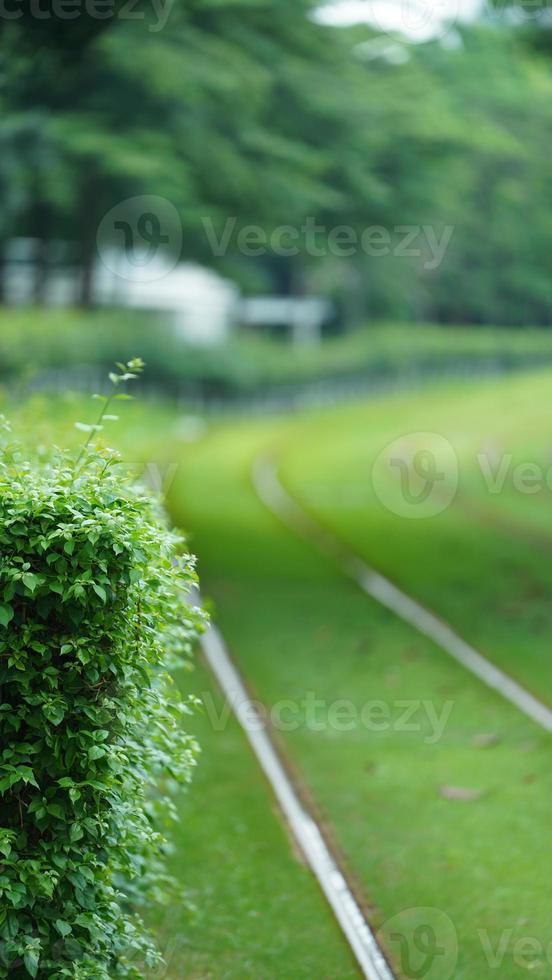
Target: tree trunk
{"type": "Point", "coordinates": [2, 274]}
{"type": "Point", "coordinates": [86, 283]}
{"type": "Point", "coordinates": [40, 272]}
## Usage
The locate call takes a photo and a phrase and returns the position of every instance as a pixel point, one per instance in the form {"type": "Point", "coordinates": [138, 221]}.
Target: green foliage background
{"type": "Point", "coordinates": [256, 110]}
{"type": "Point", "coordinates": [54, 350]}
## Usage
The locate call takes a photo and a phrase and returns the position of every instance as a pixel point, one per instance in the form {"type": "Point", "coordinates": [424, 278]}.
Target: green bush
{"type": "Point", "coordinates": [38, 342]}
{"type": "Point", "coordinates": [61, 347]}
{"type": "Point", "coordinates": [91, 737]}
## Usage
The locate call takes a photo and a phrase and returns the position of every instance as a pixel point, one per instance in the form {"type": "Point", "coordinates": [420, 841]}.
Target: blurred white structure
{"type": "Point", "coordinates": [203, 307]}
{"type": "Point", "coordinates": [304, 316]}
{"type": "Point", "coordinates": [416, 20]}
{"type": "Point", "coordinates": [201, 304]}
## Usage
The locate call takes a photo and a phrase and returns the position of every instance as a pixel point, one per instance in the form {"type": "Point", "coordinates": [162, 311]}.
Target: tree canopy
{"type": "Point", "coordinates": [252, 109]}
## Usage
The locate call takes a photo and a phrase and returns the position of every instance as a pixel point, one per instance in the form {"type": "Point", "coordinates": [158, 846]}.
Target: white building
{"type": "Point", "coordinates": [201, 304]}
{"type": "Point", "coordinates": [203, 307]}
{"type": "Point", "coordinates": [303, 316]}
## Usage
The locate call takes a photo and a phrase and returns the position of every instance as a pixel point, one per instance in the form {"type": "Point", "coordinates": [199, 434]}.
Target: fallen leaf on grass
{"type": "Point", "coordinates": [485, 741]}
{"type": "Point", "coordinates": [460, 793]}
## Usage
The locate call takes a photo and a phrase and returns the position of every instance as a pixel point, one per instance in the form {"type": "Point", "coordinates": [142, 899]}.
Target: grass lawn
{"type": "Point", "coordinates": [257, 911]}
{"type": "Point", "coordinates": [483, 562]}
{"type": "Point", "coordinates": [300, 631]}
{"type": "Point", "coordinates": [306, 638]}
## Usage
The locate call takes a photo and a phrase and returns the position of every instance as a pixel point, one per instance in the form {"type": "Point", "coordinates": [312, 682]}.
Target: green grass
{"type": "Point", "coordinates": [299, 630]}
{"type": "Point", "coordinates": [483, 562]}
{"type": "Point", "coordinates": [296, 627]}
{"type": "Point", "coordinates": [255, 904]}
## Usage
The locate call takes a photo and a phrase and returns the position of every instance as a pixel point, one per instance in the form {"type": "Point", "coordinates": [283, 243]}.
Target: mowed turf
{"type": "Point", "coordinates": [484, 562]}
{"type": "Point", "coordinates": [254, 909]}
{"type": "Point", "coordinates": [300, 632]}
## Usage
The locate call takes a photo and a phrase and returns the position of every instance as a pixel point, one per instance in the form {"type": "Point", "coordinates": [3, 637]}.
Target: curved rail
{"type": "Point", "coordinates": [277, 499]}
{"type": "Point", "coordinates": [304, 828]}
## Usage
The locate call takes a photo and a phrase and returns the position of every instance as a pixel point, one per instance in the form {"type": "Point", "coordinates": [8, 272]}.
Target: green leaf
{"type": "Point", "coordinates": [54, 713]}
{"type": "Point", "coordinates": [76, 833]}
{"type": "Point", "coordinates": [31, 960]}
{"type": "Point", "coordinates": [99, 591]}
{"type": "Point", "coordinates": [26, 774]}
{"type": "Point", "coordinates": [6, 615]}
{"type": "Point", "coordinates": [32, 581]}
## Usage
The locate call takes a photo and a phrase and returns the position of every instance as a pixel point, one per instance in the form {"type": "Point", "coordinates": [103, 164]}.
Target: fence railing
{"type": "Point", "coordinates": [216, 398]}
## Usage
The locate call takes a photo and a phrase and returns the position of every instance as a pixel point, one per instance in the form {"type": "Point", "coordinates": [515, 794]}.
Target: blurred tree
{"type": "Point", "coordinates": [496, 190]}
{"type": "Point", "coordinates": [227, 110]}
{"type": "Point", "coordinates": [531, 19]}
{"type": "Point", "coordinates": [251, 110]}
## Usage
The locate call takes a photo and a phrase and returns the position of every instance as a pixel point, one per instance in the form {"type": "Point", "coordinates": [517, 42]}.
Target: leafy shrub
{"type": "Point", "coordinates": [91, 614]}
{"type": "Point", "coordinates": [39, 345]}
{"type": "Point", "coordinates": [42, 342]}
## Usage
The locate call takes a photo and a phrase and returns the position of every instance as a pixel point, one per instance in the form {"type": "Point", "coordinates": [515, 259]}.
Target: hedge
{"type": "Point", "coordinates": [91, 734]}
{"type": "Point", "coordinates": [51, 349]}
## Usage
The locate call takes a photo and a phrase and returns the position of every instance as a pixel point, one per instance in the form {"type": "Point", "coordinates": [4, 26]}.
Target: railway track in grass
{"type": "Point", "coordinates": [318, 853]}
{"type": "Point", "coordinates": [282, 504]}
